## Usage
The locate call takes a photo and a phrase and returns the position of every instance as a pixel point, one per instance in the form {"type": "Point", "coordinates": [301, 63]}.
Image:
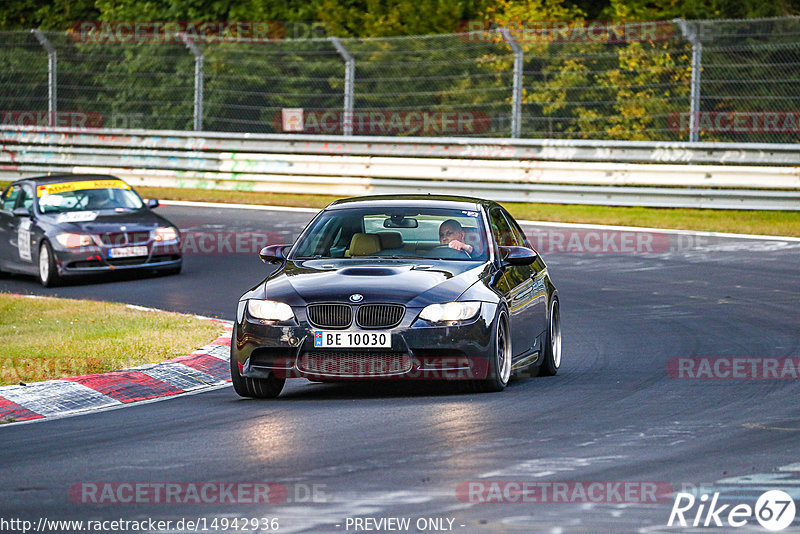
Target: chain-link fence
{"type": "Point", "coordinates": [733, 80]}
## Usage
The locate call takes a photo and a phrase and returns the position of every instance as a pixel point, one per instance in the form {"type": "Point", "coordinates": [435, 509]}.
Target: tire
{"type": "Point", "coordinates": [48, 272]}
{"type": "Point", "coordinates": [552, 348]}
{"type": "Point", "coordinates": [499, 358]}
{"type": "Point", "coordinates": [258, 388]}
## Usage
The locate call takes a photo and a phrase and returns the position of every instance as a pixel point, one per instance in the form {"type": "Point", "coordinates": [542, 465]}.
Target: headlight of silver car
{"type": "Point", "coordinates": [165, 234]}
{"type": "Point", "coordinates": [450, 311]}
{"type": "Point", "coordinates": [74, 240]}
{"type": "Point", "coordinates": [269, 310]}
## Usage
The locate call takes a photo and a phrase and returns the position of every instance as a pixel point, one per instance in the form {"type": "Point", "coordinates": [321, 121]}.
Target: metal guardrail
{"type": "Point", "coordinates": [452, 147]}
{"type": "Point", "coordinates": [582, 172]}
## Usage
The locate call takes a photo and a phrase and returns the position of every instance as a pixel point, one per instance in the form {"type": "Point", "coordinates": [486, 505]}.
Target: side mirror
{"type": "Point", "coordinates": [21, 212]}
{"type": "Point", "coordinates": [273, 254]}
{"type": "Point", "coordinates": [517, 255]}
{"type": "Point", "coordinates": [152, 203]}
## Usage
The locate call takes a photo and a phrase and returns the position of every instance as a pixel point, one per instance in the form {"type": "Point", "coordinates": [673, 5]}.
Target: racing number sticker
{"type": "Point", "coordinates": [24, 240]}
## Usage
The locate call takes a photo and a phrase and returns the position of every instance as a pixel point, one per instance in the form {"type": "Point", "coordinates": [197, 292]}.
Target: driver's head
{"type": "Point", "coordinates": [97, 198]}
{"type": "Point", "coordinates": [449, 230]}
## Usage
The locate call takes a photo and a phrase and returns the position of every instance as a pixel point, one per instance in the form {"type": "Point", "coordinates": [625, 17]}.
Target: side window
{"type": "Point", "coordinates": [519, 235]}
{"type": "Point", "coordinates": [26, 195]}
{"type": "Point", "coordinates": [10, 197]}
{"type": "Point", "coordinates": [501, 230]}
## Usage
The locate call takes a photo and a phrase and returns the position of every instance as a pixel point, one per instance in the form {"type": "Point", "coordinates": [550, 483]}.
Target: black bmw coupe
{"type": "Point", "coordinates": [399, 287]}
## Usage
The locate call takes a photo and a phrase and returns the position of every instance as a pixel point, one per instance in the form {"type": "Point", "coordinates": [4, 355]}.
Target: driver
{"type": "Point", "coordinates": [98, 200]}
{"type": "Point", "coordinates": [452, 234]}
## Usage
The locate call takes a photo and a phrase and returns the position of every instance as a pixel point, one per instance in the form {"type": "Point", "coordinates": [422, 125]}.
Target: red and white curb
{"type": "Point", "coordinates": [207, 367]}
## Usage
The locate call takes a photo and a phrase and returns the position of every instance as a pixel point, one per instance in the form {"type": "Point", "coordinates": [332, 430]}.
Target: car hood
{"type": "Point", "coordinates": [99, 222]}
{"type": "Point", "coordinates": [412, 284]}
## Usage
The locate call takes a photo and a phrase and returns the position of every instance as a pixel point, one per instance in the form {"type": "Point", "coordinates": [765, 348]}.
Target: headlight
{"type": "Point", "coordinates": [165, 234]}
{"type": "Point", "coordinates": [74, 240]}
{"type": "Point", "coordinates": [450, 311]}
{"type": "Point", "coordinates": [269, 310]}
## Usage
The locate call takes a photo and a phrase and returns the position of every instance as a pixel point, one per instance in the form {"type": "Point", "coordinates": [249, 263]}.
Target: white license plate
{"type": "Point", "coordinates": [334, 339]}
{"type": "Point", "coordinates": [127, 252]}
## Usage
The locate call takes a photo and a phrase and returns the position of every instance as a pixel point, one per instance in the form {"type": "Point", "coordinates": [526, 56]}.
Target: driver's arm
{"type": "Point", "coordinates": [458, 245]}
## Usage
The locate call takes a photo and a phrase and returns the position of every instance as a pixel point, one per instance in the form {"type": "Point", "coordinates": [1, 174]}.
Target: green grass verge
{"type": "Point", "coordinates": [46, 338]}
{"type": "Point", "coordinates": [785, 223]}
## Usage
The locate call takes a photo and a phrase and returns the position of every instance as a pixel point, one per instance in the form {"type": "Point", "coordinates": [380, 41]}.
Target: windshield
{"type": "Point", "coordinates": [433, 233]}
{"type": "Point", "coordinates": [74, 196]}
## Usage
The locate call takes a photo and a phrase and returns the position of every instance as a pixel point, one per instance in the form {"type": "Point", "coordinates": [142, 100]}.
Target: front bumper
{"type": "Point", "coordinates": [95, 259]}
{"type": "Point", "coordinates": [418, 350]}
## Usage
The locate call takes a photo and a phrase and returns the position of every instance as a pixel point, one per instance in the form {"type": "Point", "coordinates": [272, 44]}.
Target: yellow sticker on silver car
{"type": "Point", "coordinates": [52, 189]}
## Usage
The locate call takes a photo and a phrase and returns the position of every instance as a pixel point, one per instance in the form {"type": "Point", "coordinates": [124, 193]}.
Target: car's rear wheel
{"type": "Point", "coordinates": [552, 347]}
{"type": "Point", "coordinates": [499, 358]}
{"type": "Point", "coordinates": [48, 272]}
{"type": "Point", "coordinates": [259, 388]}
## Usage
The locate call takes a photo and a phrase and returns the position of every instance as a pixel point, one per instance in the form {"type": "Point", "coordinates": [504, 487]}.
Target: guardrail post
{"type": "Point", "coordinates": [349, 80]}
{"type": "Point", "coordinates": [52, 83]}
{"type": "Point", "coordinates": [690, 33]}
{"type": "Point", "coordinates": [198, 80]}
{"type": "Point", "coordinates": [516, 92]}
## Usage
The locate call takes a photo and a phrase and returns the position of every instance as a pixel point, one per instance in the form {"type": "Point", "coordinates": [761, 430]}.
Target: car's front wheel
{"type": "Point", "coordinates": [499, 357]}
{"type": "Point", "coordinates": [552, 347]}
{"type": "Point", "coordinates": [259, 388]}
{"type": "Point", "coordinates": [48, 272]}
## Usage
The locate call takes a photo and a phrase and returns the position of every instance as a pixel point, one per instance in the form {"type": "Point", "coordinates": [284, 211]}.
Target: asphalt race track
{"type": "Point", "coordinates": [614, 414]}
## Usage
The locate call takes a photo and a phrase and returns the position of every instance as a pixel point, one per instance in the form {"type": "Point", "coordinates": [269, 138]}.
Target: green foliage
{"type": "Point", "coordinates": [575, 88]}
{"type": "Point", "coordinates": [370, 18]}
{"type": "Point", "coordinates": [45, 14]}
{"type": "Point", "coordinates": [381, 18]}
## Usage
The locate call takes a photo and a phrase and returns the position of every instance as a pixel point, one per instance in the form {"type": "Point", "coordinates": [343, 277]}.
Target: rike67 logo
{"type": "Point", "coordinates": [774, 510]}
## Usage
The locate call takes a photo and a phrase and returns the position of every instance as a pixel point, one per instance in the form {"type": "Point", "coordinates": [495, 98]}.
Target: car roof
{"type": "Point", "coordinates": [419, 201]}
{"type": "Point", "coordinates": [57, 178]}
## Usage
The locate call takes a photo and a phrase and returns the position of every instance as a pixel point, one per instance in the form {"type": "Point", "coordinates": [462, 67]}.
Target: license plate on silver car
{"type": "Point", "coordinates": [347, 340]}
{"type": "Point", "coordinates": [127, 252]}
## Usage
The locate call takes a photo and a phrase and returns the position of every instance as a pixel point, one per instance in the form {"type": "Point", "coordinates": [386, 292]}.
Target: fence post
{"type": "Point", "coordinates": [52, 78]}
{"type": "Point", "coordinates": [690, 34]}
{"type": "Point", "coordinates": [516, 92]}
{"type": "Point", "coordinates": [349, 80]}
{"type": "Point", "coordinates": [198, 81]}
